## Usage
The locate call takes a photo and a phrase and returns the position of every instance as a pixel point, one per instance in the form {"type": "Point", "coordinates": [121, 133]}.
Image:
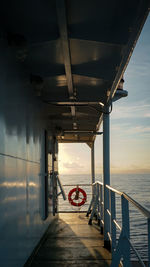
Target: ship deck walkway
{"type": "Point", "coordinates": [70, 241]}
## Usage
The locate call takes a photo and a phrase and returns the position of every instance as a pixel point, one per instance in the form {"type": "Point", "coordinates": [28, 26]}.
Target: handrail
{"type": "Point", "coordinates": [97, 208]}
{"type": "Point", "coordinates": [77, 184]}
{"type": "Point", "coordinates": [97, 182]}
{"type": "Point", "coordinates": [114, 190]}
{"type": "Point", "coordinates": [145, 211]}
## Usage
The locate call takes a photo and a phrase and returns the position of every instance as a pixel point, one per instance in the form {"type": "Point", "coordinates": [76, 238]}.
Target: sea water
{"type": "Point", "coordinates": [136, 186]}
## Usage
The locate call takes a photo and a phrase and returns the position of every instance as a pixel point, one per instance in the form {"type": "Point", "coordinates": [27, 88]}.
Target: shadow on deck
{"type": "Point", "coordinates": [71, 242]}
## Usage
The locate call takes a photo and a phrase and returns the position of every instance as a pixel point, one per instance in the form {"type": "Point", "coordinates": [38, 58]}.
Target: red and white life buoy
{"type": "Point", "coordinates": [77, 194]}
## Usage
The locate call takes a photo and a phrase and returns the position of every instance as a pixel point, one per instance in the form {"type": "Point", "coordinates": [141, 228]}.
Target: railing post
{"type": "Point", "coordinates": [54, 178]}
{"type": "Point", "coordinates": [98, 208]}
{"type": "Point", "coordinates": [148, 223]}
{"type": "Point", "coordinates": [113, 226]}
{"type": "Point", "coordinates": [106, 176]}
{"type": "Point", "coordinates": [126, 232]}
{"type": "Point", "coordinates": [93, 168]}
{"type": "Point", "coordinates": [101, 209]}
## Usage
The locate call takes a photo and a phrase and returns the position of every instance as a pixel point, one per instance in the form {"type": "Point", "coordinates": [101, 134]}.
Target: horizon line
{"type": "Point", "coordinates": [102, 173]}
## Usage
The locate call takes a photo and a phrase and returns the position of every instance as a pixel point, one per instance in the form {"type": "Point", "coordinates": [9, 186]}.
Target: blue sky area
{"type": "Point", "coordinates": [130, 123]}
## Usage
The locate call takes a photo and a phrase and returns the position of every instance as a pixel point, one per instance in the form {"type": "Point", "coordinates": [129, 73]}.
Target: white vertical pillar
{"type": "Point", "coordinates": [106, 177]}
{"type": "Point", "coordinates": [92, 165]}
{"type": "Point", "coordinates": [54, 176]}
{"type": "Point", "coordinates": [53, 154]}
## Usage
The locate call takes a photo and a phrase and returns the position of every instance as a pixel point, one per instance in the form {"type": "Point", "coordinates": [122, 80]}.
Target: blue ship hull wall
{"type": "Point", "coordinates": [22, 166]}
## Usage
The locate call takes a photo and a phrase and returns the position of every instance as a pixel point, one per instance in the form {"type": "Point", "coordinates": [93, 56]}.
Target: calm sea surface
{"type": "Point", "coordinates": [135, 185]}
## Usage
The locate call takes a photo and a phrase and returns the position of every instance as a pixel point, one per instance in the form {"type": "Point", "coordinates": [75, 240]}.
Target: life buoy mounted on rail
{"type": "Point", "coordinates": [77, 196]}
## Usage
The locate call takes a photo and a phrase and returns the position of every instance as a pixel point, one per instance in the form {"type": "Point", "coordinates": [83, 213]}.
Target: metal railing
{"type": "Point", "coordinates": [66, 207]}
{"type": "Point", "coordinates": [58, 194]}
{"type": "Point", "coordinates": [120, 247]}
{"type": "Point", "coordinates": [96, 204]}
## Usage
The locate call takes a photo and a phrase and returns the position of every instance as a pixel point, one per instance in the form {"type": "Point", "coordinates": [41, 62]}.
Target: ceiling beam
{"type": "Point", "coordinates": [62, 24]}
{"type": "Point", "coordinates": [107, 43]}
{"type": "Point", "coordinates": [82, 99]}
{"type": "Point", "coordinates": [76, 103]}
{"type": "Point", "coordinates": [54, 38]}
{"type": "Point", "coordinates": [82, 132]}
{"type": "Point", "coordinates": [64, 122]}
{"type": "Point", "coordinates": [73, 141]}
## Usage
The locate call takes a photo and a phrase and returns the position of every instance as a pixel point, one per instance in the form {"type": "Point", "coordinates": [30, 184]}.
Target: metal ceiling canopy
{"type": "Point", "coordinates": [76, 53]}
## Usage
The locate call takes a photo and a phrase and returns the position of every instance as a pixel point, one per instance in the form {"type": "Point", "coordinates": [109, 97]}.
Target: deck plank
{"type": "Point", "coordinates": [72, 242]}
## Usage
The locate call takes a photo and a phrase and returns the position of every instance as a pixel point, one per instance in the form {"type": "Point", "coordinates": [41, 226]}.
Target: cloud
{"type": "Point", "coordinates": [138, 110]}
{"type": "Point", "coordinates": [129, 170]}
{"type": "Point", "coordinates": [139, 69]}
{"type": "Point", "coordinates": [120, 127]}
{"type": "Point", "coordinates": [120, 169]}
{"type": "Point", "coordinates": [139, 129]}
{"type": "Point", "coordinates": [72, 165]}
{"type": "Point", "coordinates": [127, 131]}
{"type": "Point", "coordinates": [147, 115]}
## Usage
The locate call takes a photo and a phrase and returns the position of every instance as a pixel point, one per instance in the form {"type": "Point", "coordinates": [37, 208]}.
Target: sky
{"type": "Point", "coordinates": [129, 123]}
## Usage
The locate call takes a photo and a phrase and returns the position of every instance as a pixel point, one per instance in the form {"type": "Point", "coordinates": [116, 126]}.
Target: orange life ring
{"type": "Point", "coordinates": [77, 190]}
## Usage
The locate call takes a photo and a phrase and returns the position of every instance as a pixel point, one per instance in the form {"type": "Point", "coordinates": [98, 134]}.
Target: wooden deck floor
{"type": "Point", "coordinates": [72, 242]}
